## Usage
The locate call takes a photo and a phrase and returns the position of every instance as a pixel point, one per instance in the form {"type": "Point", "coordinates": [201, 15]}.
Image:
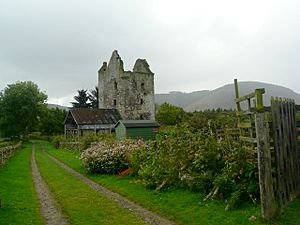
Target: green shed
{"type": "Point", "coordinates": [144, 129]}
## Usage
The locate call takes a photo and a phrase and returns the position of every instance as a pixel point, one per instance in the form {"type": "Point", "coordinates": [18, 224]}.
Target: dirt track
{"type": "Point", "coordinates": [49, 208]}
{"type": "Point", "coordinates": [141, 212]}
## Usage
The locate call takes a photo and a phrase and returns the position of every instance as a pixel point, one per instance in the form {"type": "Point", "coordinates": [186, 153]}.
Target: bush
{"type": "Point", "coordinates": [223, 168]}
{"type": "Point", "coordinates": [82, 142]}
{"type": "Point", "coordinates": [178, 157]}
{"type": "Point", "coordinates": [56, 140]}
{"type": "Point", "coordinates": [109, 157]}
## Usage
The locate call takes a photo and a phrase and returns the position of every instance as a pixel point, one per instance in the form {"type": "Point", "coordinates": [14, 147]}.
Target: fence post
{"type": "Point", "coordinates": [236, 88]}
{"type": "Point", "coordinates": [267, 197]}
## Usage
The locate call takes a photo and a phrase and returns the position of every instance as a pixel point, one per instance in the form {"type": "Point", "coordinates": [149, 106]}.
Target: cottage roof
{"type": "Point", "coordinates": [138, 123]}
{"type": "Point", "coordinates": [94, 116]}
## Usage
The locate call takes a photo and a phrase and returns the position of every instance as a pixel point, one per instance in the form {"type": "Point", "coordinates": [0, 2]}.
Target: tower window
{"type": "Point", "coordinates": [142, 101]}
{"type": "Point", "coordinates": [115, 102]}
{"type": "Point", "coordinates": [143, 86]}
{"type": "Point", "coordinates": [116, 85]}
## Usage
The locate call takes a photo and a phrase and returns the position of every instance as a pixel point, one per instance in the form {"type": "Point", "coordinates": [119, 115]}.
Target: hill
{"type": "Point", "coordinates": [53, 106]}
{"type": "Point", "coordinates": [224, 96]}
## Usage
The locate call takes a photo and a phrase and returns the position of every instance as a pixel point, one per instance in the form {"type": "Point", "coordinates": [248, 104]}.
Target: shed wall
{"type": "Point", "coordinates": [144, 133]}
{"type": "Point", "coordinates": [120, 132]}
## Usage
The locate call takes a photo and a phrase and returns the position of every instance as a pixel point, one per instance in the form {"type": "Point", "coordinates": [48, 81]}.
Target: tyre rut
{"type": "Point", "coordinates": [51, 213]}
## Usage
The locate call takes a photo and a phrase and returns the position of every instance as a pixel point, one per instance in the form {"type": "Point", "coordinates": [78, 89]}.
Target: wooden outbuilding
{"type": "Point", "coordinates": [136, 129]}
{"type": "Point", "coordinates": [80, 121]}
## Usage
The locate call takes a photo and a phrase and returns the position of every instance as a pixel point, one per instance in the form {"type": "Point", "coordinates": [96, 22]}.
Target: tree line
{"type": "Point", "coordinates": [23, 110]}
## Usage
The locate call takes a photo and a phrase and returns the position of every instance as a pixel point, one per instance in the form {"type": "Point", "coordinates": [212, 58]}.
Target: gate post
{"type": "Point", "coordinates": [267, 197]}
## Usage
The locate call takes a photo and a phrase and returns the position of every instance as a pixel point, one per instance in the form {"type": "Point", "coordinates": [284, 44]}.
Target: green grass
{"type": "Point", "coordinates": [19, 204]}
{"type": "Point", "coordinates": [291, 214]}
{"type": "Point", "coordinates": [180, 205]}
{"type": "Point", "coordinates": [81, 204]}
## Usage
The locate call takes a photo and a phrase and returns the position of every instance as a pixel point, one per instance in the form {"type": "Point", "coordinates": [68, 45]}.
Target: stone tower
{"type": "Point", "coordinates": [131, 92]}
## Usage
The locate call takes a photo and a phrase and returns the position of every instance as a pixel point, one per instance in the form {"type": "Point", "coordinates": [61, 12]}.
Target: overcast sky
{"type": "Point", "coordinates": [190, 44]}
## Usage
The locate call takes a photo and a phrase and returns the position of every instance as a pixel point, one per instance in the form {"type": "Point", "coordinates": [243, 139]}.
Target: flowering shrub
{"type": "Point", "coordinates": [110, 157]}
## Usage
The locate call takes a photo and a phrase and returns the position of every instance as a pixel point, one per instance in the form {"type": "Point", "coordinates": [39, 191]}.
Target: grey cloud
{"type": "Point", "coordinates": [61, 44]}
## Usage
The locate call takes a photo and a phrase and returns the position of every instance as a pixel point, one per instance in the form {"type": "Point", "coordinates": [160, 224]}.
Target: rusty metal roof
{"type": "Point", "coordinates": [93, 116]}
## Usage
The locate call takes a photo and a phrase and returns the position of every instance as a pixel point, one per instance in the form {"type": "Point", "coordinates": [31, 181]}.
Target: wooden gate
{"type": "Point", "coordinates": [281, 141]}
{"type": "Point", "coordinates": [286, 150]}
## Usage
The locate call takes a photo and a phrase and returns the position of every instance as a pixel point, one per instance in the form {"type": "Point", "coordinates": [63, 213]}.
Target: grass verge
{"type": "Point", "coordinates": [19, 204]}
{"type": "Point", "coordinates": [80, 203]}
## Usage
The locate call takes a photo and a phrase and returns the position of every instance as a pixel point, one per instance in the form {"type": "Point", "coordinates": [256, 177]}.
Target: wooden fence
{"type": "Point", "coordinates": [272, 131]}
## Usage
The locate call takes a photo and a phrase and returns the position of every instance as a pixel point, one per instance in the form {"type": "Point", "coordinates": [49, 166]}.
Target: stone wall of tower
{"type": "Point", "coordinates": [131, 92]}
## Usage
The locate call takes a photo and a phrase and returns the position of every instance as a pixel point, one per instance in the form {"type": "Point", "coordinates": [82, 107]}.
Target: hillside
{"type": "Point", "coordinates": [223, 97]}
{"type": "Point", "coordinates": [53, 106]}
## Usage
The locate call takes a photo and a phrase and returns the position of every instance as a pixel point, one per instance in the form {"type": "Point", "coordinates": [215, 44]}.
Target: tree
{"type": "Point", "coordinates": [21, 106]}
{"type": "Point", "coordinates": [51, 122]}
{"type": "Point", "coordinates": [168, 114]}
{"type": "Point", "coordinates": [81, 100]}
{"type": "Point", "coordinates": [94, 97]}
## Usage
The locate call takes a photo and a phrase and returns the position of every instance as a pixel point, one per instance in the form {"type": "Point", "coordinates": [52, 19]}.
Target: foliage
{"type": "Point", "coordinates": [51, 121]}
{"type": "Point", "coordinates": [110, 158]}
{"type": "Point", "coordinates": [81, 99]}
{"type": "Point", "coordinates": [298, 115]}
{"type": "Point", "coordinates": [212, 119]}
{"type": "Point", "coordinates": [21, 106]}
{"type": "Point", "coordinates": [168, 114]}
{"type": "Point", "coordinates": [94, 97]}
{"type": "Point", "coordinates": [80, 143]}
{"type": "Point", "coordinates": [55, 140]}
{"type": "Point", "coordinates": [221, 168]}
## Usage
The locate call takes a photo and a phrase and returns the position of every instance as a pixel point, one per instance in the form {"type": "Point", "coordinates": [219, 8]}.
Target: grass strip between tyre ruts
{"type": "Point", "coordinates": [19, 203]}
{"type": "Point", "coordinates": [179, 205]}
{"type": "Point", "coordinates": [82, 204]}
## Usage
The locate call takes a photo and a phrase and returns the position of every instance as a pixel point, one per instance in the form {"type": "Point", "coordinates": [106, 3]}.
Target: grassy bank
{"type": "Point", "coordinates": [19, 204]}
{"type": "Point", "coordinates": [80, 203]}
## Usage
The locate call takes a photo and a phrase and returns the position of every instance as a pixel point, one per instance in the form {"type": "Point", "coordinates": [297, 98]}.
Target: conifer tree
{"type": "Point", "coordinates": [82, 100]}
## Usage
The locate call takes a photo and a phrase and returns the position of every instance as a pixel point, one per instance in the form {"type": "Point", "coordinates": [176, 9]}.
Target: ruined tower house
{"type": "Point", "coordinates": [131, 92]}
